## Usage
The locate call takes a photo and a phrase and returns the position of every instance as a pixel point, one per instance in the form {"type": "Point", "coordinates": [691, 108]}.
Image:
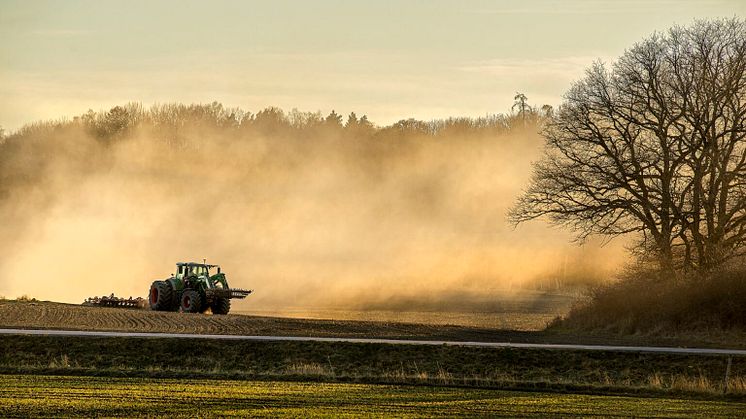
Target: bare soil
{"type": "Point", "coordinates": [51, 315]}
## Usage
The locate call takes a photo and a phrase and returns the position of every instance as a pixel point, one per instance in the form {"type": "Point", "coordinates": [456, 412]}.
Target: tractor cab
{"type": "Point", "coordinates": [188, 269]}
{"type": "Point", "coordinates": [199, 275]}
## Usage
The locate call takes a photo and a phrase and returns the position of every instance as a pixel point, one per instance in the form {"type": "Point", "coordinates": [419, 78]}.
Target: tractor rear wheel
{"type": "Point", "coordinates": [191, 302]}
{"type": "Point", "coordinates": [221, 306]}
{"type": "Point", "coordinates": [161, 296]}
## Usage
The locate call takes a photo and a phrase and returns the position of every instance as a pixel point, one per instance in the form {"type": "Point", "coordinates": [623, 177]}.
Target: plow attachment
{"type": "Point", "coordinates": [227, 293]}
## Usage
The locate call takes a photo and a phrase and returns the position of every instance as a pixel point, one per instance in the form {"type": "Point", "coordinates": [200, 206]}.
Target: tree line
{"type": "Point", "coordinates": [170, 121]}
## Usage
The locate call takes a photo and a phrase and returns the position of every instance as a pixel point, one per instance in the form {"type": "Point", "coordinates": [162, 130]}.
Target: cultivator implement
{"type": "Point", "coordinates": [113, 301]}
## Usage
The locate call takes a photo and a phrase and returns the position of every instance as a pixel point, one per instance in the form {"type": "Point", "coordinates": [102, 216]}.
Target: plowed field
{"type": "Point", "coordinates": [47, 315]}
{"type": "Point", "coordinates": [50, 315]}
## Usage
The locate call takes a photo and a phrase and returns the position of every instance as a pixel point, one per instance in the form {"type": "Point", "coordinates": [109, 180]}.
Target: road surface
{"type": "Point", "coordinates": [609, 348]}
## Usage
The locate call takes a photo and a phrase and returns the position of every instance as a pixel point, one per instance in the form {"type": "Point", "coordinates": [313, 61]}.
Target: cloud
{"type": "Point", "coordinates": [60, 33]}
{"type": "Point", "coordinates": [561, 67]}
{"type": "Point", "coordinates": [581, 7]}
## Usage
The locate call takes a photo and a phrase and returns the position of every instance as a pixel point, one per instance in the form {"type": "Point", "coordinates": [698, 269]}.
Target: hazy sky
{"type": "Point", "coordinates": [389, 59]}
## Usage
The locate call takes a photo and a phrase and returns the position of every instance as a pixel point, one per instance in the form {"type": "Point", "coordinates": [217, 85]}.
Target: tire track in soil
{"type": "Point", "coordinates": [162, 321]}
{"type": "Point", "coordinates": [150, 324]}
{"type": "Point", "coordinates": [69, 316]}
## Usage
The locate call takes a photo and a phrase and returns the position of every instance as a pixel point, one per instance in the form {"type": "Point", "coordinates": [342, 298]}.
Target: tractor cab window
{"type": "Point", "coordinates": [199, 270]}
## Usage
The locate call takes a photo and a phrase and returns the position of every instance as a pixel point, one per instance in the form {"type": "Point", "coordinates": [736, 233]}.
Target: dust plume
{"type": "Point", "coordinates": [307, 211]}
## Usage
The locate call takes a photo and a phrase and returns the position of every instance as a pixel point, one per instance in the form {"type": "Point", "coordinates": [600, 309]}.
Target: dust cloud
{"type": "Point", "coordinates": [330, 220]}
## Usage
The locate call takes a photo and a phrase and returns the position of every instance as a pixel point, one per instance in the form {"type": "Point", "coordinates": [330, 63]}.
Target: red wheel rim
{"type": "Point", "coordinates": [153, 296]}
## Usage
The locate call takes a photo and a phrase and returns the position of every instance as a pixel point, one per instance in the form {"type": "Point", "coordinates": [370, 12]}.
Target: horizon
{"type": "Point", "coordinates": [388, 61]}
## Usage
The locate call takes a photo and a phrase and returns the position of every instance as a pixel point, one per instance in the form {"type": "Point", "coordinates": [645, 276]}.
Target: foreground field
{"type": "Point", "coordinates": [55, 396]}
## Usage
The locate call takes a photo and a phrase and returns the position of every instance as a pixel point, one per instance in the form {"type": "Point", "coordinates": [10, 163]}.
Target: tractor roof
{"type": "Point", "coordinates": [195, 264]}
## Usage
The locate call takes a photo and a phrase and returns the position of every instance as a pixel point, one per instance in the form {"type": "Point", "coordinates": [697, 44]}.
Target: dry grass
{"type": "Point", "coordinates": [412, 374]}
{"type": "Point", "coordinates": [646, 303]}
{"type": "Point", "coordinates": [308, 369]}
{"type": "Point", "coordinates": [697, 384]}
{"type": "Point", "coordinates": [63, 361]}
{"type": "Point", "coordinates": [736, 385]}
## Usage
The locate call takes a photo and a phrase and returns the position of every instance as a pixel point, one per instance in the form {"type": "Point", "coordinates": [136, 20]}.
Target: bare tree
{"type": "Point", "coordinates": [655, 147]}
{"type": "Point", "coordinates": [520, 101]}
{"type": "Point", "coordinates": [547, 111]}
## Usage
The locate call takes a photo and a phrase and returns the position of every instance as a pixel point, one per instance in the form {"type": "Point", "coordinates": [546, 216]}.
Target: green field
{"type": "Point", "coordinates": [39, 396]}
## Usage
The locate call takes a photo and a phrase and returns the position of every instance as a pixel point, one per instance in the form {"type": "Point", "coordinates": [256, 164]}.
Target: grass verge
{"type": "Point", "coordinates": [527, 369]}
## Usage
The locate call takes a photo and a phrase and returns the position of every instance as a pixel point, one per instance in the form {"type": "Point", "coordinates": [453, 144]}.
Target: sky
{"type": "Point", "coordinates": [390, 60]}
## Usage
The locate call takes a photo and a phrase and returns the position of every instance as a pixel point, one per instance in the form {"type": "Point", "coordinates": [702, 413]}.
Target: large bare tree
{"type": "Point", "coordinates": [654, 146]}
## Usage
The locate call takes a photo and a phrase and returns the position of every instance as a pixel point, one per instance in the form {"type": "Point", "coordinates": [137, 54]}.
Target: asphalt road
{"type": "Point", "coordinates": [608, 348]}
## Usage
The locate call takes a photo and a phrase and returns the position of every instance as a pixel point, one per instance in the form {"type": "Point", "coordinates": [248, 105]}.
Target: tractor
{"type": "Point", "coordinates": [193, 289]}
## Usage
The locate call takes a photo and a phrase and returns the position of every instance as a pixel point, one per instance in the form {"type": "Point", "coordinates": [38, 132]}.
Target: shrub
{"type": "Point", "coordinates": [646, 302]}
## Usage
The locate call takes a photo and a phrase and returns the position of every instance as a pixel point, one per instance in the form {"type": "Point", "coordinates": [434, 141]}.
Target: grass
{"type": "Point", "coordinates": [506, 368]}
{"type": "Point", "coordinates": [646, 303]}
{"type": "Point", "coordinates": [55, 396]}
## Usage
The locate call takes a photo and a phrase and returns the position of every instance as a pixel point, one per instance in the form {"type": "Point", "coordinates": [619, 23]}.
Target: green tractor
{"type": "Point", "coordinates": [193, 289]}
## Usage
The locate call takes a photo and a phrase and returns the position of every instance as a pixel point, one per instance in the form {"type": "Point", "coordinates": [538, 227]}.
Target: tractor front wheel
{"type": "Point", "coordinates": [161, 296]}
{"type": "Point", "coordinates": [191, 302]}
{"type": "Point", "coordinates": [221, 306]}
